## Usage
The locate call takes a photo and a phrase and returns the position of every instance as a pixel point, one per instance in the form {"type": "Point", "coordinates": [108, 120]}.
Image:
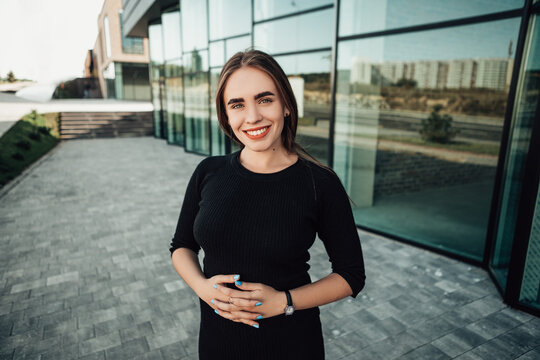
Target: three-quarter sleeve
{"type": "Point", "coordinates": [183, 236]}
{"type": "Point", "coordinates": [337, 229]}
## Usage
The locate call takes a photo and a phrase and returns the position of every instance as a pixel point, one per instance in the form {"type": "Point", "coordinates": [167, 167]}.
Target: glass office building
{"type": "Point", "coordinates": [428, 110]}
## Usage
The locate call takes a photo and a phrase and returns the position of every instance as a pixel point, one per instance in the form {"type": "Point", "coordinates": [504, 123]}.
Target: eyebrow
{"type": "Point", "coordinates": [258, 96]}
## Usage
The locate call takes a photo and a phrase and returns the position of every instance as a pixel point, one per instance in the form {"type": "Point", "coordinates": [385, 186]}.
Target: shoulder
{"type": "Point", "coordinates": [211, 164]}
{"type": "Point", "coordinates": [325, 180]}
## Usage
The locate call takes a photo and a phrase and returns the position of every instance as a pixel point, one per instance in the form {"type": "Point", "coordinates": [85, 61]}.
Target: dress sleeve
{"type": "Point", "coordinates": [183, 236]}
{"type": "Point", "coordinates": [337, 229]}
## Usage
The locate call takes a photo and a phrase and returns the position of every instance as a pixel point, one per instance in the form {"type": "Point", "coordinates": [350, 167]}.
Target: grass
{"type": "Point", "coordinates": [476, 148]}
{"type": "Point", "coordinates": [25, 142]}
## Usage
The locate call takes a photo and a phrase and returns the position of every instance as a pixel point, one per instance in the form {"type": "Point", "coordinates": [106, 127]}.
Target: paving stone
{"type": "Point", "coordinates": [120, 297]}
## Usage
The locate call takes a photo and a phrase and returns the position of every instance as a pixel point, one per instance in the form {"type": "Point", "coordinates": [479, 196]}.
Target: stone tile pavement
{"type": "Point", "coordinates": [85, 273]}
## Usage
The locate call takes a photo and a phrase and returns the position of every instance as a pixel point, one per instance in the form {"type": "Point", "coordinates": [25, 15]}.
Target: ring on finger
{"type": "Point", "coordinates": [230, 300]}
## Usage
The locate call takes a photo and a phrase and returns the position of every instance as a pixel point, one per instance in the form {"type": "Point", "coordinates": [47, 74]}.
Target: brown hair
{"type": "Point", "coordinates": [267, 64]}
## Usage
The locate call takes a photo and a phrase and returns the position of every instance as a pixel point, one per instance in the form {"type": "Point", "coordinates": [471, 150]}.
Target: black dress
{"type": "Point", "coordinates": [261, 227]}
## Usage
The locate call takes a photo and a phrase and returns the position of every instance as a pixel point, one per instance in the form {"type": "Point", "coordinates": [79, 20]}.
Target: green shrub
{"type": "Point", "coordinates": [437, 127]}
{"type": "Point", "coordinates": [18, 156]}
{"type": "Point", "coordinates": [35, 136]}
{"type": "Point", "coordinates": [44, 130]}
{"type": "Point", "coordinates": [23, 144]}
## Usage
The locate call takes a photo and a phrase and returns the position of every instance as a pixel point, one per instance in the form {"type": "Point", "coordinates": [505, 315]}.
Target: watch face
{"type": "Point", "coordinates": [289, 310]}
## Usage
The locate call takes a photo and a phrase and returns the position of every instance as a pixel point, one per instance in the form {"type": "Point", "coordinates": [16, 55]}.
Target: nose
{"type": "Point", "coordinates": [253, 115]}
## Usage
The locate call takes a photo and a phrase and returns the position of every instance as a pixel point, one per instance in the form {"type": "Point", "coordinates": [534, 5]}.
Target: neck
{"type": "Point", "coordinates": [267, 160]}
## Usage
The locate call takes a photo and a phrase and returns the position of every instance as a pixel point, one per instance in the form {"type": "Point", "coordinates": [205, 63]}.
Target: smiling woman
{"type": "Point", "coordinates": [256, 213]}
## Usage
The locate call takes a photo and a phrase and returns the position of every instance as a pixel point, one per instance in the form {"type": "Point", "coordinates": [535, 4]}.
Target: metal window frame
{"type": "Point", "coordinates": [293, 14]}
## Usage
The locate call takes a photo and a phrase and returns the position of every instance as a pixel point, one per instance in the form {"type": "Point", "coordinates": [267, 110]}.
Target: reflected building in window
{"type": "Point", "coordinates": [426, 116]}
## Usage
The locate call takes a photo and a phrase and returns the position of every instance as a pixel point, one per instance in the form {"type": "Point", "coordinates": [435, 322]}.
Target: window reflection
{"type": "Point", "coordinates": [229, 18]}
{"type": "Point", "coordinates": [156, 75]}
{"type": "Point", "coordinates": [265, 9]}
{"type": "Point", "coordinates": [174, 103]}
{"type": "Point", "coordinates": [171, 35]}
{"type": "Point", "coordinates": [419, 118]}
{"type": "Point", "coordinates": [361, 16]}
{"type": "Point", "coordinates": [309, 75]}
{"type": "Point", "coordinates": [194, 33]}
{"type": "Point", "coordinates": [217, 52]}
{"type": "Point", "coordinates": [237, 44]}
{"type": "Point", "coordinates": [309, 31]}
{"type": "Point", "coordinates": [218, 137]}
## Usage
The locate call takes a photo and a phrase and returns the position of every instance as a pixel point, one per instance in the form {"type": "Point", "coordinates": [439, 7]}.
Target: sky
{"type": "Point", "coordinates": [47, 40]}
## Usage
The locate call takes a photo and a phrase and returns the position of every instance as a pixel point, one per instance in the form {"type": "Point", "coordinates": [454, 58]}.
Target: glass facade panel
{"type": "Point", "coordinates": [229, 18]}
{"type": "Point", "coordinates": [174, 104]}
{"type": "Point", "coordinates": [303, 32]}
{"type": "Point", "coordinates": [530, 287]}
{"type": "Point", "coordinates": [265, 9]}
{"type": "Point", "coordinates": [527, 98]}
{"type": "Point", "coordinates": [362, 16]}
{"type": "Point", "coordinates": [155, 40]}
{"type": "Point", "coordinates": [237, 44]}
{"type": "Point", "coordinates": [309, 75]}
{"type": "Point", "coordinates": [419, 118]}
{"type": "Point", "coordinates": [194, 30]}
{"type": "Point", "coordinates": [171, 35]}
{"type": "Point", "coordinates": [217, 53]}
{"type": "Point", "coordinates": [196, 96]}
{"type": "Point", "coordinates": [218, 136]}
{"type": "Point", "coordinates": [130, 45]}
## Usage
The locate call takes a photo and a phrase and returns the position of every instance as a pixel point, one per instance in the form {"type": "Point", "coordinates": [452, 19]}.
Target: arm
{"type": "Point", "coordinates": [324, 291]}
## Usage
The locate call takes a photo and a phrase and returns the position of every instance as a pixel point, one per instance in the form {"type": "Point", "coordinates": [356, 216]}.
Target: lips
{"type": "Point", "coordinates": [258, 135]}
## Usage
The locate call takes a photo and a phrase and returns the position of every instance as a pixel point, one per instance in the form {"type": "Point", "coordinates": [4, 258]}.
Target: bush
{"type": "Point", "coordinates": [18, 156]}
{"type": "Point", "coordinates": [44, 130]}
{"type": "Point", "coordinates": [438, 128]}
{"type": "Point", "coordinates": [34, 136]}
{"type": "Point", "coordinates": [23, 144]}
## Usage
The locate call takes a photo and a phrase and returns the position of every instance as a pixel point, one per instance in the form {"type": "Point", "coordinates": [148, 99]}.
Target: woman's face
{"type": "Point", "coordinates": [254, 109]}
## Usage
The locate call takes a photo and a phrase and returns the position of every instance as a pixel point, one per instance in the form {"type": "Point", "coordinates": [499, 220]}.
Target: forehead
{"type": "Point", "coordinates": [248, 82]}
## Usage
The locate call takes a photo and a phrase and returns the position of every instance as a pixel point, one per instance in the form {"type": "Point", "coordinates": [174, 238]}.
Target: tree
{"type": "Point", "coordinates": [11, 77]}
{"type": "Point", "coordinates": [437, 127]}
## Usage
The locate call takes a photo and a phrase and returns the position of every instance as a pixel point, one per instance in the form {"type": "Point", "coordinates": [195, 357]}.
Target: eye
{"type": "Point", "coordinates": [266, 100]}
{"type": "Point", "coordinates": [236, 106]}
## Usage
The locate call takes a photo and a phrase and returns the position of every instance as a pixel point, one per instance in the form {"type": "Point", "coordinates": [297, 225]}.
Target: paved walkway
{"type": "Point", "coordinates": [85, 272]}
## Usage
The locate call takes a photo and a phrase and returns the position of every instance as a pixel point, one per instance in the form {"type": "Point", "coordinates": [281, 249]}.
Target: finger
{"type": "Point", "coordinates": [245, 303]}
{"type": "Point", "coordinates": [222, 305]}
{"type": "Point", "coordinates": [234, 293]}
{"type": "Point", "coordinates": [225, 278]}
{"type": "Point", "coordinates": [248, 285]}
{"type": "Point", "coordinates": [248, 322]}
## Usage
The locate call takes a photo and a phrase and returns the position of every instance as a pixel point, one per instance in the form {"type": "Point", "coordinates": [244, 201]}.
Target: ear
{"type": "Point", "coordinates": [286, 112]}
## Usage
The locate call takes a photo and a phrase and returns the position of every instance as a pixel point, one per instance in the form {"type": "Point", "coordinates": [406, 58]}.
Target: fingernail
{"type": "Point", "coordinates": [239, 283]}
{"type": "Point", "coordinates": [259, 317]}
{"type": "Point", "coordinates": [236, 277]}
{"type": "Point", "coordinates": [258, 304]}
{"type": "Point", "coordinates": [217, 312]}
{"type": "Point", "coordinates": [212, 301]}
{"type": "Point", "coordinates": [215, 286]}
{"type": "Point", "coordinates": [256, 325]}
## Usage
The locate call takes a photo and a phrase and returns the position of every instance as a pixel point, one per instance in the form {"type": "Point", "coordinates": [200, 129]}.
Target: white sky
{"type": "Point", "coordinates": [46, 40]}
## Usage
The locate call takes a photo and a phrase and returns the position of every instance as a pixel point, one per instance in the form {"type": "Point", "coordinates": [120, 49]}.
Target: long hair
{"type": "Point", "coordinates": [267, 64]}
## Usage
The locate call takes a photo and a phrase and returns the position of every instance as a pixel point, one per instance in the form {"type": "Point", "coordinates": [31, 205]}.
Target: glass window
{"type": "Point", "coordinates": [155, 39]}
{"type": "Point", "coordinates": [237, 44]}
{"type": "Point", "coordinates": [419, 118]}
{"type": "Point", "coordinates": [265, 9]}
{"type": "Point", "coordinates": [134, 81]}
{"type": "Point", "coordinates": [530, 287]}
{"type": "Point", "coordinates": [229, 18]}
{"type": "Point", "coordinates": [217, 52]}
{"type": "Point", "coordinates": [527, 97]}
{"type": "Point", "coordinates": [218, 136]}
{"type": "Point", "coordinates": [308, 31]}
{"type": "Point", "coordinates": [196, 61]}
{"type": "Point", "coordinates": [107, 36]}
{"type": "Point", "coordinates": [194, 32]}
{"type": "Point", "coordinates": [309, 75]}
{"type": "Point", "coordinates": [361, 16]}
{"type": "Point", "coordinates": [174, 102]}
{"type": "Point", "coordinates": [130, 45]}
{"type": "Point", "coordinates": [171, 35]}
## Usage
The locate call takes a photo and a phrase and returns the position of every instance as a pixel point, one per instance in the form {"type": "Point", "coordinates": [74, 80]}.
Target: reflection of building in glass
{"type": "Point", "coordinates": [364, 98]}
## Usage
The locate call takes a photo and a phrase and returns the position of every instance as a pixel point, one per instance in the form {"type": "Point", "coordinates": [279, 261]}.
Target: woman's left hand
{"type": "Point", "coordinates": [272, 302]}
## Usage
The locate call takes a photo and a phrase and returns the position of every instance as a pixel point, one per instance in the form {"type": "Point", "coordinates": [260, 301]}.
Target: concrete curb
{"type": "Point", "coordinates": [10, 185]}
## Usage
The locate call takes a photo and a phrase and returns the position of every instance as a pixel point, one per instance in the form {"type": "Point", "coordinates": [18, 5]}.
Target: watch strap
{"type": "Point", "coordinates": [289, 298]}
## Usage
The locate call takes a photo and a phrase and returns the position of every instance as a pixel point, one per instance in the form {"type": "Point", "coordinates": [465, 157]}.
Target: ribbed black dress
{"type": "Point", "coordinates": [261, 227]}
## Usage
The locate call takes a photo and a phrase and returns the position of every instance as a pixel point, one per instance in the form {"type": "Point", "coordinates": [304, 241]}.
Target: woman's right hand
{"type": "Point", "coordinates": [244, 308]}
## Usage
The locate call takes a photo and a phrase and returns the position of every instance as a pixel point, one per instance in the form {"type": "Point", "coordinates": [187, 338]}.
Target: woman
{"type": "Point", "coordinates": [255, 214]}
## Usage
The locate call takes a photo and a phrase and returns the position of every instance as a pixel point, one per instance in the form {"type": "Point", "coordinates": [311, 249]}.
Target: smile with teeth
{"type": "Point", "coordinates": [257, 132]}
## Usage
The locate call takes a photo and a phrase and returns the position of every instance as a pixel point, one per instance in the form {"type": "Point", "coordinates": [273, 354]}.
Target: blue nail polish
{"type": "Point", "coordinates": [217, 312]}
{"type": "Point", "coordinates": [239, 283]}
{"type": "Point", "coordinates": [259, 317]}
{"type": "Point", "coordinates": [236, 277]}
{"type": "Point", "coordinates": [215, 286]}
{"type": "Point", "coordinates": [256, 325]}
{"type": "Point", "coordinates": [212, 301]}
{"type": "Point", "coordinates": [258, 304]}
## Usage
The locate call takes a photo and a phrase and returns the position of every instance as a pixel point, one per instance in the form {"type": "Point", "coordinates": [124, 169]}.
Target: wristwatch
{"type": "Point", "coordinates": [289, 309]}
